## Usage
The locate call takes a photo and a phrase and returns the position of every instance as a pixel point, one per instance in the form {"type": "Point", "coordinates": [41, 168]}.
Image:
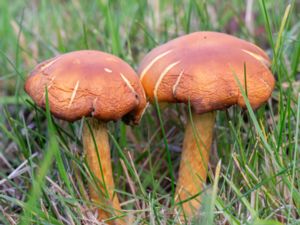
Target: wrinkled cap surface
{"type": "Point", "coordinates": [88, 83]}
{"type": "Point", "coordinates": [201, 68]}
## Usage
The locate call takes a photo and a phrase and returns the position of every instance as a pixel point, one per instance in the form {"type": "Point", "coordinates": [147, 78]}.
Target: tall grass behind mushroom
{"type": "Point", "coordinates": [250, 184]}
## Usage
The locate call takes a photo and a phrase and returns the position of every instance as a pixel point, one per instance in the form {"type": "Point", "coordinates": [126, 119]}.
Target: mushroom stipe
{"type": "Point", "coordinates": [96, 145]}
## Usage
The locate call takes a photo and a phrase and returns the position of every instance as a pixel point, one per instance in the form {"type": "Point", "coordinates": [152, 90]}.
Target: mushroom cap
{"type": "Point", "coordinates": [88, 83]}
{"type": "Point", "coordinates": [201, 68]}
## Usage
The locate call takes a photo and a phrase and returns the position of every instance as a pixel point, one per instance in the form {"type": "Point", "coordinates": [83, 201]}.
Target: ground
{"type": "Point", "coordinates": [43, 174]}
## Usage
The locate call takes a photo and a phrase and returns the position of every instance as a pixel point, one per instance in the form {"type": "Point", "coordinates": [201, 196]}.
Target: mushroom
{"type": "Point", "coordinates": [97, 85]}
{"type": "Point", "coordinates": [201, 69]}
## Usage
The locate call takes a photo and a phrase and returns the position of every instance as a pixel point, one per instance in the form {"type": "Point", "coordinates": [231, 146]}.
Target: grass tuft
{"type": "Point", "coordinates": [43, 174]}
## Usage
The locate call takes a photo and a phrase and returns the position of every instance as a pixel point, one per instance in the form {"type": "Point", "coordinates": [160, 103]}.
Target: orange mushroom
{"type": "Point", "coordinates": [200, 68]}
{"type": "Point", "coordinates": [97, 85]}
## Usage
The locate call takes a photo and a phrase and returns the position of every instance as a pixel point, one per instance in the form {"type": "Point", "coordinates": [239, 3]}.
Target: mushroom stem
{"type": "Point", "coordinates": [100, 165]}
{"type": "Point", "coordinates": [194, 162]}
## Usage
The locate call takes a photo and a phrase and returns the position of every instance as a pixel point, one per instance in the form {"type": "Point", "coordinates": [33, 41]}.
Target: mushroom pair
{"type": "Point", "coordinates": [204, 70]}
{"type": "Point", "coordinates": [200, 68]}
{"type": "Point", "coordinates": [97, 85]}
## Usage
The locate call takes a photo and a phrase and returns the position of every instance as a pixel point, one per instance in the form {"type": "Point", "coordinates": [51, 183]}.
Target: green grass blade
{"type": "Point", "coordinates": [168, 155]}
{"type": "Point", "coordinates": [38, 183]}
{"type": "Point", "coordinates": [296, 140]}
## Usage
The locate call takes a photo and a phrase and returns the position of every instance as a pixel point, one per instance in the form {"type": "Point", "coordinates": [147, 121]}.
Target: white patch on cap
{"type": "Point", "coordinates": [127, 83]}
{"type": "Point", "coordinates": [162, 75]}
{"type": "Point", "coordinates": [111, 59]}
{"type": "Point", "coordinates": [177, 82]}
{"type": "Point", "coordinates": [73, 94]}
{"type": "Point", "coordinates": [107, 70]}
{"type": "Point", "coordinates": [51, 82]}
{"type": "Point", "coordinates": [152, 62]}
{"type": "Point", "coordinates": [49, 86]}
{"type": "Point", "coordinates": [49, 63]}
{"type": "Point", "coordinates": [265, 83]}
{"type": "Point", "coordinates": [258, 57]}
{"type": "Point", "coordinates": [144, 110]}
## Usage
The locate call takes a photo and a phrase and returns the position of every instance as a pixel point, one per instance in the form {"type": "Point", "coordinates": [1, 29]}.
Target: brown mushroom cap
{"type": "Point", "coordinates": [201, 67]}
{"type": "Point", "coordinates": [88, 83]}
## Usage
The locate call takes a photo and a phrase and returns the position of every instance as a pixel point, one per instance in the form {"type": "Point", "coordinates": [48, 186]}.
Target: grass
{"type": "Point", "coordinates": [254, 175]}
